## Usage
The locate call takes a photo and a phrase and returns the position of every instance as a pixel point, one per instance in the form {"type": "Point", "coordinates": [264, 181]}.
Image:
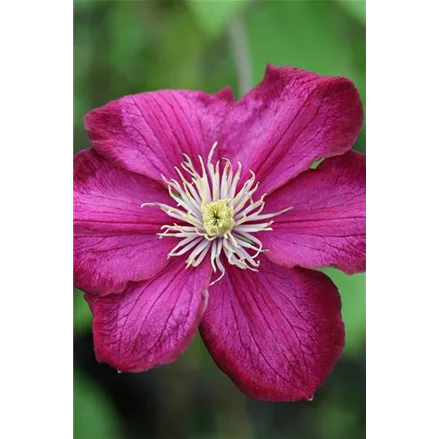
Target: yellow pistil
{"type": "Point", "coordinates": [217, 217]}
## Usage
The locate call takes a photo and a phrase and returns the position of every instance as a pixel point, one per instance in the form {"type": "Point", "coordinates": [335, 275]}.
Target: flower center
{"type": "Point", "coordinates": [217, 217]}
{"type": "Point", "coordinates": [214, 217]}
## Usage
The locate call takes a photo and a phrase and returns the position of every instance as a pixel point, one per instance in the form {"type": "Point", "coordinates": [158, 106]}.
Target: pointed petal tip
{"type": "Point", "coordinates": [252, 318]}
{"type": "Point", "coordinates": [226, 93]}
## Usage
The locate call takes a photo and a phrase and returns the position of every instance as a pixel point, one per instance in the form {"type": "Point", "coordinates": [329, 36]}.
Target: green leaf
{"type": "Point", "coordinates": [356, 8]}
{"type": "Point", "coordinates": [94, 416]}
{"type": "Point", "coordinates": [213, 15]}
{"type": "Point", "coordinates": [316, 163]}
{"type": "Point", "coordinates": [353, 297]}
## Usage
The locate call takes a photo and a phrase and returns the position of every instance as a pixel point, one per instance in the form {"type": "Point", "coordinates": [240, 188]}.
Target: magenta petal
{"type": "Point", "coordinates": [153, 321]}
{"type": "Point", "coordinates": [149, 132]}
{"type": "Point", "coordinates": [327, 225]}
{"type": "Point", "coordinates": [291, 119]}
{"type": "Point", "coordinates": [277, 333]}
{"type": "Point", "coordinates": [115, 240]}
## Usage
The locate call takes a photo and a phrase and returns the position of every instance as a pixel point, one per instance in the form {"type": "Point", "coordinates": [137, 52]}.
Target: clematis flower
{"type": "Point", "coordinates": [196, 211]}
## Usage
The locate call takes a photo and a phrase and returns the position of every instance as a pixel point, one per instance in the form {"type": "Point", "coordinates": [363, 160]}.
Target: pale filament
{"type": "Point", "coordinates": [218, 218]}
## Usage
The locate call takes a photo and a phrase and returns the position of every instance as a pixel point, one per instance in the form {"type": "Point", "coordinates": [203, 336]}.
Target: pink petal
{"type": "Point", "coordinates": [153, 321]}
{"type": "Point", "coordinates": [277, 333]}
{"type": "Point", "coordinates": [327, 226]}
{"type": "Point", "coordinates": [291, 119]}
{"type": "Point", "coordinates": [115, 240]}
{"type": "Point", "coordinates": [149, 132]}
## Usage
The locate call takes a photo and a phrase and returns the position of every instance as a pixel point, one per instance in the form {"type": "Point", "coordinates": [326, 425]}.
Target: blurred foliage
{"type": "Point", "coordinates": [313, 35]}
{"type": "Point", "coordinates": [81, 313]}
{"type": "Point", "coordinates": [94, 417]}
{"type": "Point", "coordinates": [353, 296]}
{"type": "Point", "coordinates": [213, 15]}
{"type": "Point", "coordinates": [357, 8]}
{"type": "Point", "coordinates": [124, 47]}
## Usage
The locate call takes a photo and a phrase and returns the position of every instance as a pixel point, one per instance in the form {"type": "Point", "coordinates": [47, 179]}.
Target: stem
{"type": "Point", "coordinates": [241, 54]}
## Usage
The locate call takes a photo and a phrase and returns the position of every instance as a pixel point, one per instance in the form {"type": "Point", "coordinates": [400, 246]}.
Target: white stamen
{"type": "Point", "coordinates": [216, 217]}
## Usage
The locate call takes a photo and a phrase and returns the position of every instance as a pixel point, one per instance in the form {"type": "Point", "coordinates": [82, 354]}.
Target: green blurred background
{"type": "Point", "coordinates": [124, 47]}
